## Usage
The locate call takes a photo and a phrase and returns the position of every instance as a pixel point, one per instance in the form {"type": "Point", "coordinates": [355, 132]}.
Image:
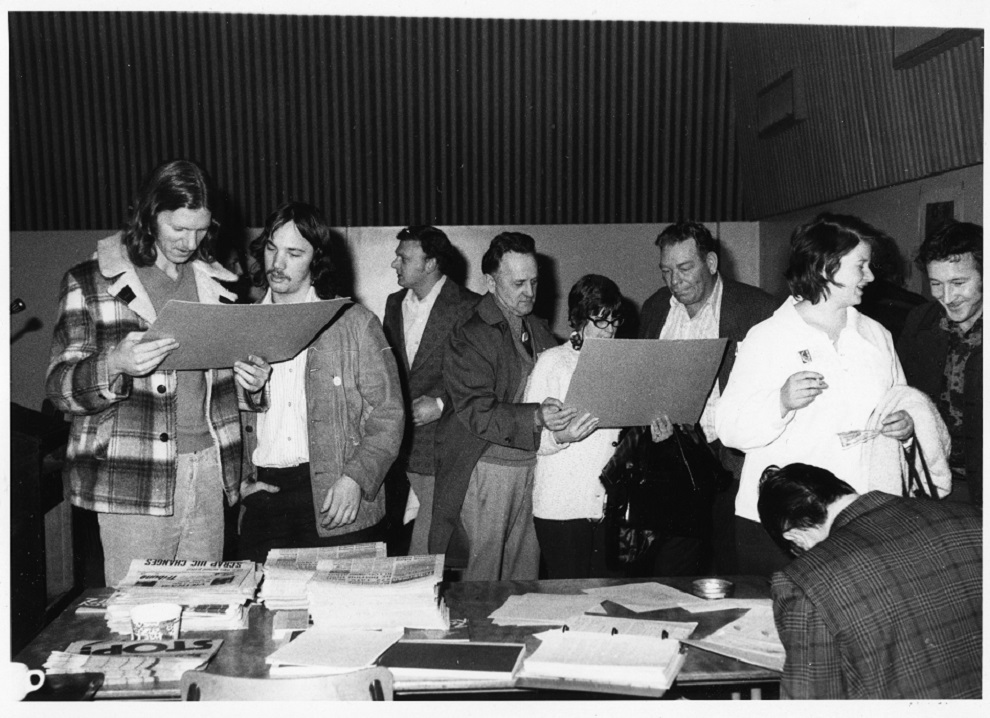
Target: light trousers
{"type": "Point", "coordinates": [497, 516]}
{"type": "Point", "coordinates": [193, 531]}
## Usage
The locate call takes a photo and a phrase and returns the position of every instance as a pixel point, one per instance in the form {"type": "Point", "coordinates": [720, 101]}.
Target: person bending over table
{"type": "Point", "coordinates": [873, 607]}
{"type": "Point", "coordinates": [816, 368]}
{"type": "Point", "coordinates": [568, 497]}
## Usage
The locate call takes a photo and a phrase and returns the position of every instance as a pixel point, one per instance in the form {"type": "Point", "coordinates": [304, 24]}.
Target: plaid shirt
{"type": "Point", "coordinates": [888, 606]}
{"type": "Point", "coordinates": [122, 454]}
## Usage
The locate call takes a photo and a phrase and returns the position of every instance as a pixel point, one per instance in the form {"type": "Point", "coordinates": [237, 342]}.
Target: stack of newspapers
{"type": "Point", "coordinates": [212, 594]}
{"type": "Point", "coordinates": [145, 667]}
{"type": "Point", "coordinates": [378, 593]}
{"type": "Point", "coordinates": [288, 570]}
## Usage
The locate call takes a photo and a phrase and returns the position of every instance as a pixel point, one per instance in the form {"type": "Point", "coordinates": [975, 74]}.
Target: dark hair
{"type": "Point", "coordinates": [314, 229]}
{"type": "Point", "coordinates": [952, 239]}
{"type": "Point", "coordinates": [797, 496]}
{"type": "Point", "coordinates": [679, 232]}
{"type": "Point", "coordinates": [817, 248]}
{"type": "Point", "coordinates": [593, 295]}
{"type": "Point", "coordinates": [178, 184]}
{"type": "Point", "coordinates": [503, 243]}
{"type": "Point", "coordinates": [434, 244]}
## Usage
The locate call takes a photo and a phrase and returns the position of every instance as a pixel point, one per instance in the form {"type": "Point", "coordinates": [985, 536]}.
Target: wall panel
{"type": "Point", "coordinates": [868, 125]}
{"type": "Point", "coordinates": [382, 121]}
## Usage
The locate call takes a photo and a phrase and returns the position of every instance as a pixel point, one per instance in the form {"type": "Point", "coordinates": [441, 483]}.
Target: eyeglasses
{"type": "Point", "coordinates": [605, 322]}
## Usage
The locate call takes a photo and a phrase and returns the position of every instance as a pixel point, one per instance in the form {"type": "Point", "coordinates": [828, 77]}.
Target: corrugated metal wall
{"type": "Point", "coordinates": [869, 125]}
{"type": "Point", "coordinates": [382, 121]}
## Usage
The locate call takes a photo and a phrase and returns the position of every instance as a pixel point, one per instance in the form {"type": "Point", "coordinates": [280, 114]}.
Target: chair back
{"type": "Point", "coordinates": [368, 684]}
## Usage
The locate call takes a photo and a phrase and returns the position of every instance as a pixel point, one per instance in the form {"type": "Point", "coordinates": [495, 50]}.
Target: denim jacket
{"type": "Point", "coordinates": [355, 414]}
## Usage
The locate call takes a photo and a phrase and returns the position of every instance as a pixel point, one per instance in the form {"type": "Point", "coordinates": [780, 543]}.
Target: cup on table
{"type": "Point", "coordinates": [21, 680]}
{"type": "Point", "coordinates": [155, 621]}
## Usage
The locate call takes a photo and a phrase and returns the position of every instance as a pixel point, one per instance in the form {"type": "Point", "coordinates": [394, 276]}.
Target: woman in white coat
{"type": "Point", "coordinates": [809, 374]}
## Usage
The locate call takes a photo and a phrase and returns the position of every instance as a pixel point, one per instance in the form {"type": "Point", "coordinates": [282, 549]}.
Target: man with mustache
{"type": "Point", "coordinates": [699, 303]}
{"type": "Point", "coordinates": [315, 461]}
{"type": "Point", "coordinates": [941, 348]}
{"type": "Point", "coordinates": [487, 436]}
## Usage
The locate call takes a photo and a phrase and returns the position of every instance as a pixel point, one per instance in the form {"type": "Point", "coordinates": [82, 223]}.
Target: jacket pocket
{"type": "Point", "coordinates": [105, 434]}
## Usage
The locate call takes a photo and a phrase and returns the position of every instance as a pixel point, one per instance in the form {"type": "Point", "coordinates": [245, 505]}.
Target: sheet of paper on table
{"type": "Point", "coordinates": [629, 382]}
{"type": "Point", "coordinates": [324, 651]}
{"type": "Point", "coordinates": [590, 623]}
{"type": "Point", "coordinates": [751, 638]}
{"type": "Point", "coordinates": [214, 336]}
{"type": "Point", "coordinates": [541, 609]}
{"type": "Point", "coordinates": [725, 604]}
{"type": "Point", "coordinates": [641, 597]}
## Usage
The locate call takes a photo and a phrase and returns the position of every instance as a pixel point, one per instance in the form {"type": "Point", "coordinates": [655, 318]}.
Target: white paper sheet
{"type": "Point", "coordinates": [584, 623]}
{"type": "Point", "coordinates": [645, 596]}
{"type": "Point", "coordinates": [336, 651]}
{"type": "Point", "coordinates": [724, 604]}
{"type": "Point", "coordinates": [542, 609]}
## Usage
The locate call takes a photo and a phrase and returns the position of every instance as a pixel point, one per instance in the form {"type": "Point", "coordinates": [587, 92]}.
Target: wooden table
{"type": "Point", "coordinates": [471, 602]}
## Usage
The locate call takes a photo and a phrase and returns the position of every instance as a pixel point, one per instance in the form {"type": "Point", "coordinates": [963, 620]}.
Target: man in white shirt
{"type": "Point", "coordinates": [418, 321]}
{"type": "Point", "coordinates": [698, 303]}
{"type": "Point", "coordinates": [315, 461]}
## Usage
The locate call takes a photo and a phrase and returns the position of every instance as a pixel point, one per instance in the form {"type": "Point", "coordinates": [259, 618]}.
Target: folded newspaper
{"type": "Point", "coordinates": [378, 593]}
{"type": "Point", "coordinates": [134, 664]}
{"type": "Point", "coordinates": [288, 570]}
{"type": "Point", "coordinates": [213, 593]}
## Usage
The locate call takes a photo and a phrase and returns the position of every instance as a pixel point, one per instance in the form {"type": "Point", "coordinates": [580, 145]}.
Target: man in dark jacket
{"type": "Point", "coordinates": [698, 303]}
{"type": "Point", "coordinates": [418, 321]}
{"type": "Point", "coordinates": [941, 348]}
{"type": "Point", "coordinates": [885, 599]}
{"type": "Point", "coordinates": [487, 437]}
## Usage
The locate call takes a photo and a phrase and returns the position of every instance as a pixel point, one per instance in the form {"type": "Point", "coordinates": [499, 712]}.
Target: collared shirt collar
{"type": "Point", "coordinates": [429, 300]}
{"type": "Point", "coordinates": [712, 304]}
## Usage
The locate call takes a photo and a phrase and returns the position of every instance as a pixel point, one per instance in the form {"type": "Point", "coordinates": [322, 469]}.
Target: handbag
{"type": "Point", "coordinates": [657, 489]}
{"type": "Point", "coordinates": [911, 485]}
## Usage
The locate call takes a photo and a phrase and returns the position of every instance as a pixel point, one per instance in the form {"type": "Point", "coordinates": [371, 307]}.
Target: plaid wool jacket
{"type": "Point", "coordinates": [888, 606]}
{"type": "Point", "coordinates": [122, 456]}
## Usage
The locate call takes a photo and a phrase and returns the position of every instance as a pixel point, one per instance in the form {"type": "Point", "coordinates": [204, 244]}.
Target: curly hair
{"type": "Point", "coordinates": [178, 184]}
{"type": "Point", "coordinates": [314, 229]}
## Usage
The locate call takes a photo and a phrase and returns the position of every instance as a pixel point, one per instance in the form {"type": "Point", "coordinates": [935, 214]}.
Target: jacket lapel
{"type": "Point", "coordinates": [394, 327]}
{"type": "Point", "coordinates": [438, 324]}
{"type": "Point", "coordinates": [116, 267]}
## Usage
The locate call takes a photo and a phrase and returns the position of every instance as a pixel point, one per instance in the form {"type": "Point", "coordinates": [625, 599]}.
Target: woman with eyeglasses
{"type": "Point", "coordinates": [568, 498]}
